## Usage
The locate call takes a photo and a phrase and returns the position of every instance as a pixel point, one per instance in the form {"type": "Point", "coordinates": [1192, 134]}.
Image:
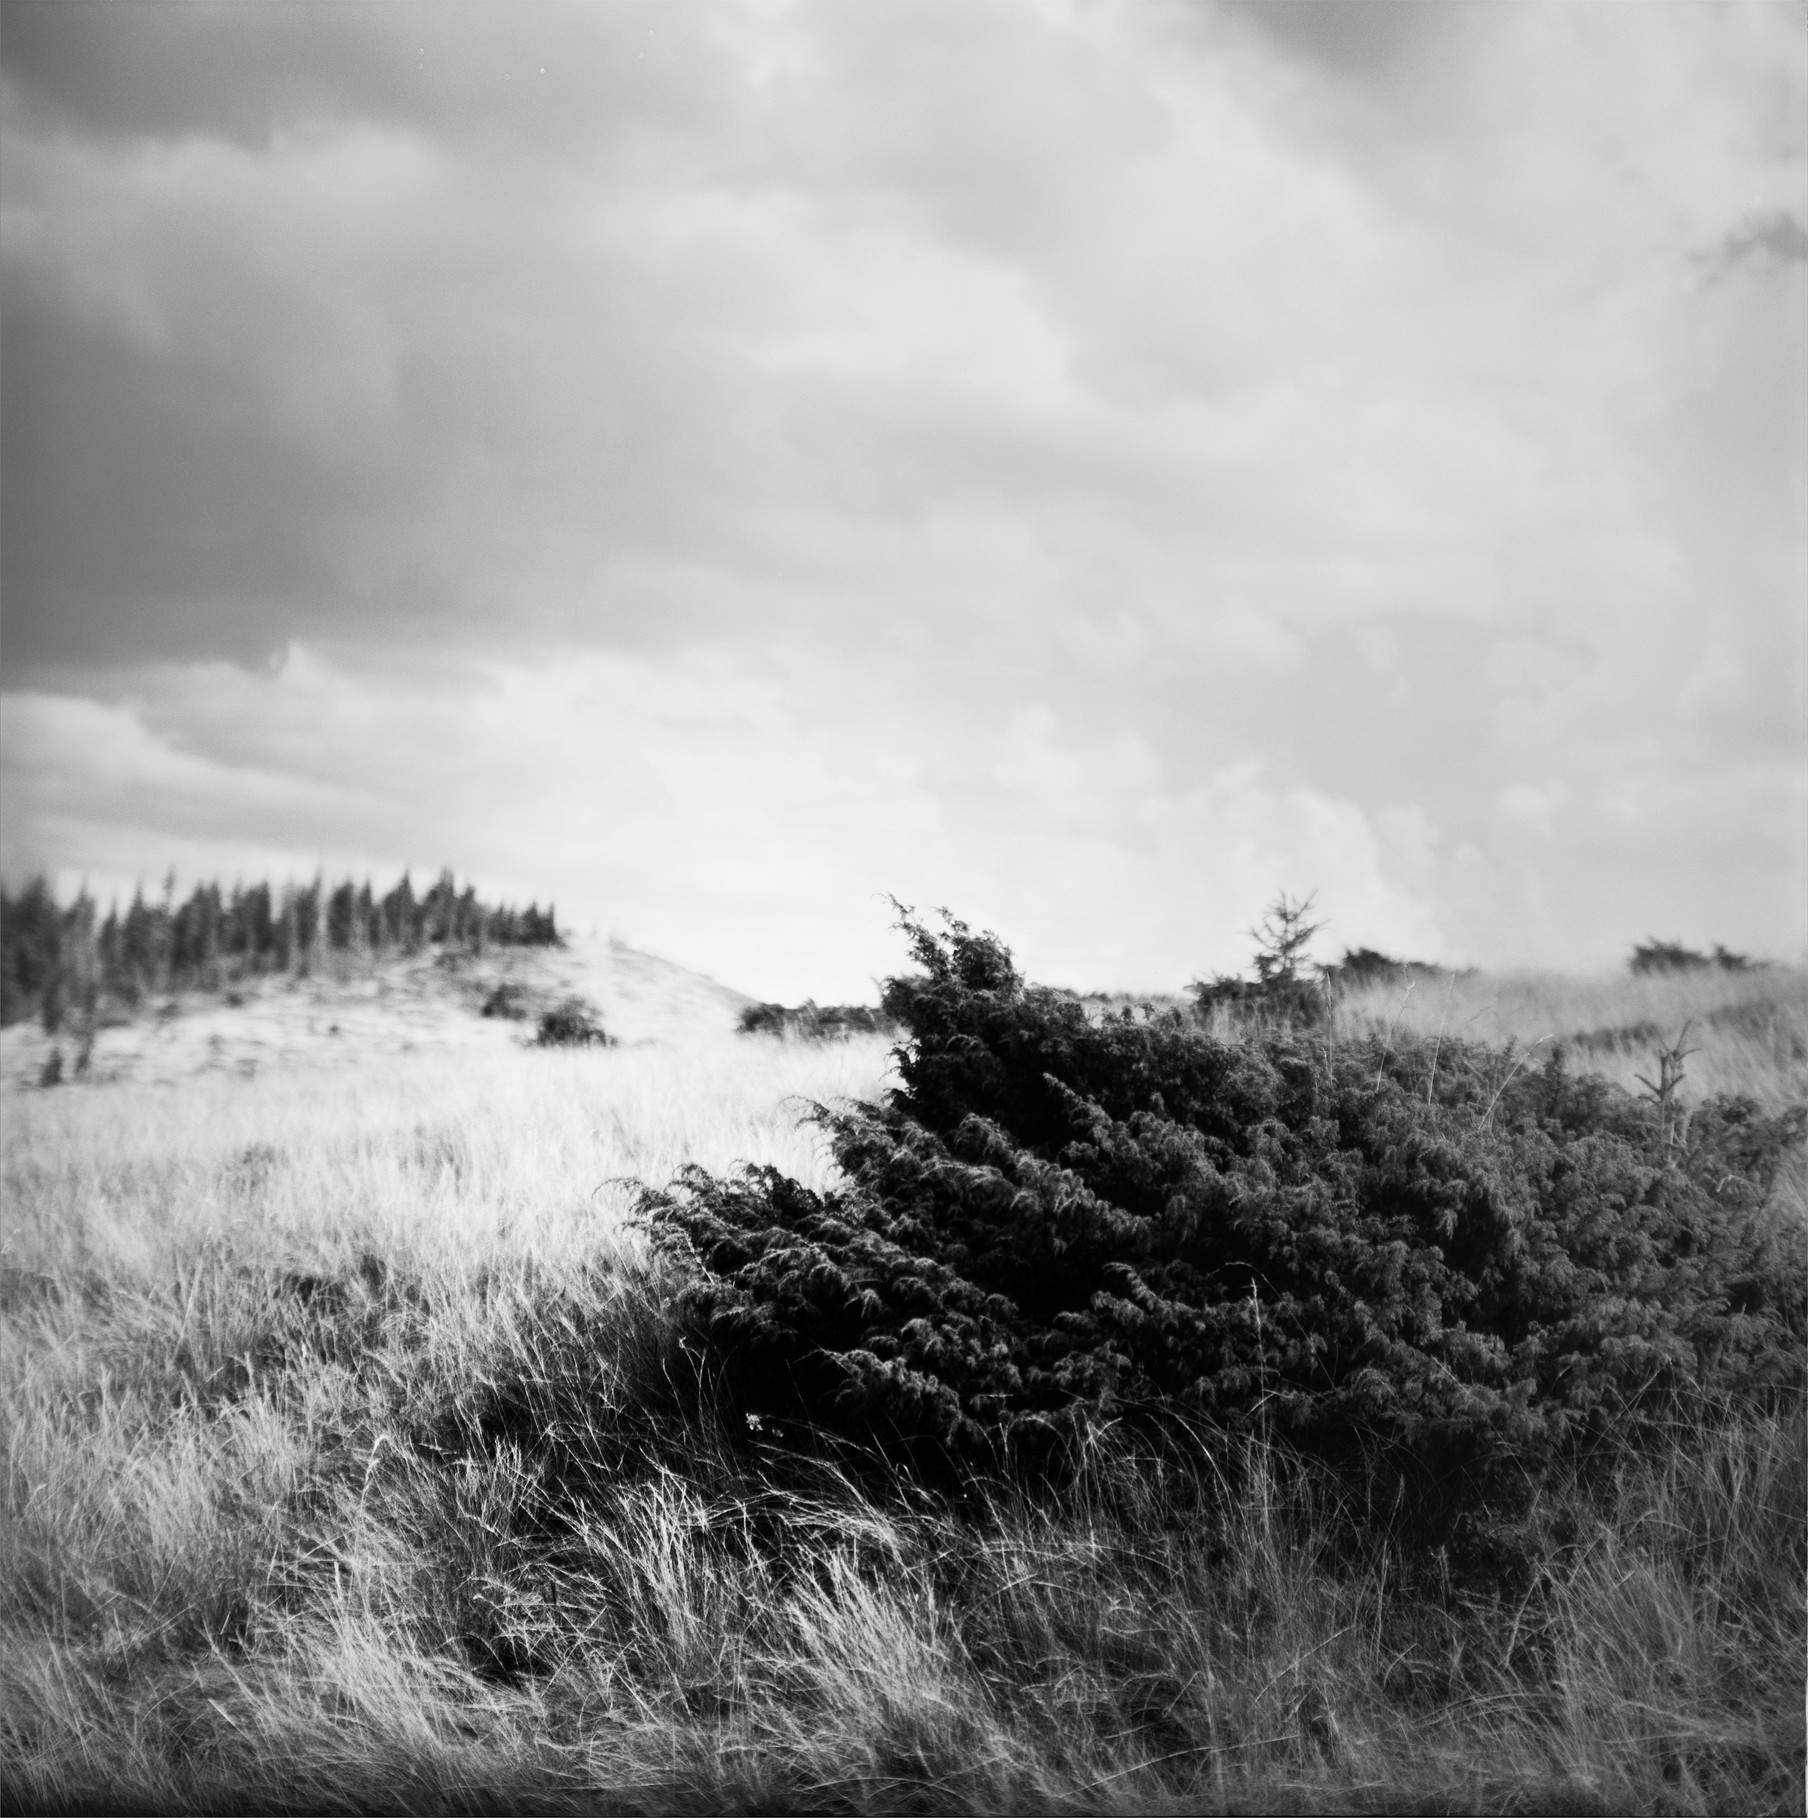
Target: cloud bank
{"type": "Point", "coordinates": [1093, 464]}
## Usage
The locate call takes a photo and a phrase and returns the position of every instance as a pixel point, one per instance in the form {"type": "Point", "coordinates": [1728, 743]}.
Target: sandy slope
{"type": "Point", "coordinates": [357, 1016]}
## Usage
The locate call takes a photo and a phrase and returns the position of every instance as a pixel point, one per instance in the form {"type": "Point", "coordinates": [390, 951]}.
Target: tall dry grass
{"type": "Point", "coordinates": [1748, 1031]}
{"type": "Point", "coordinates": [349, 1464]}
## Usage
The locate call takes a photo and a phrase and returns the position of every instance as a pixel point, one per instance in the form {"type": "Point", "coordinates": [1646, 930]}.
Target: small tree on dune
{"type": "Point", "coordinates": [1281, 993]}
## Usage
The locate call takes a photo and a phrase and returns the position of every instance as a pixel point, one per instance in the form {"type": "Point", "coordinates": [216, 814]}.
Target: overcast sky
{"type": "Point", "coordinates": [1088, 464]}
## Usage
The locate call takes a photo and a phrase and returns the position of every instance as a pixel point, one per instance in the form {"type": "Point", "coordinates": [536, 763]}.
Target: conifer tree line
{"type": "Point", "coordinates": [62, 961]}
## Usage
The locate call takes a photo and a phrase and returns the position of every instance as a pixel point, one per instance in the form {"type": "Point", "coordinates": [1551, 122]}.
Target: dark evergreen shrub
{"type": "Point", "coordinates": [1667, 956]}
{"type": "Point", "coordinates": [570, 1025]}
{"type": "Point", "coordinates": [815, 1022]}
{"type": "Point", "coordinates": [1426, 1249]}
{"type": "Point", "coordinates": [1673, 956]}
{"type": "Point", "coordinates": [1364, 966]}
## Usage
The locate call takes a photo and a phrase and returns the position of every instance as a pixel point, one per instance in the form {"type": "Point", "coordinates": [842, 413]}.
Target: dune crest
{"type": "Point", "coordinates": [360, 1013]}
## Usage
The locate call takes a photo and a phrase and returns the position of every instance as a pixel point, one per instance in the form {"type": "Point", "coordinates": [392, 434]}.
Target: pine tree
{"type": "Point", "coordinates": [31, 935]}
{"type": "Point", "coordinates": [399, 917]}
{"type": "Point", "coordinates": [342, 918]}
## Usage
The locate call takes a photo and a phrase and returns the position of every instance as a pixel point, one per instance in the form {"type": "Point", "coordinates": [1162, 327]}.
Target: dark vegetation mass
{"type": "Point", "coordinates": [62, 961]}
{"type": "Point", "coordinates": [815, 1022]}
{"type": "Point", "coordinates": [1654, 956]}
{"type": "Point", "coordinates": [1363, 966]}
{"type": "Point", "coordinates": [1427, 1263]}
{"type": "Point", "coordinates": [571, 1024]}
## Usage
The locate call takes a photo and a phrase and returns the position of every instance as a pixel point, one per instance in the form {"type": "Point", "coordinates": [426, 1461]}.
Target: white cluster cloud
{"type": "Point", "coordinates": [676, 802]}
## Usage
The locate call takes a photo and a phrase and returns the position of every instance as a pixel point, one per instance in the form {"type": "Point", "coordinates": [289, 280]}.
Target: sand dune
{"type": "Point", "coordinates": [359, 1014]}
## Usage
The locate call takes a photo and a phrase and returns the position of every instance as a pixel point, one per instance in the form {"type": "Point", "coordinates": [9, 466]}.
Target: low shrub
{"type": "Point", "coordinates": [1656, 956]}
{"type": "Point", "coordinates": [1423, 1251]}
{"type": "Point", "coordinates": [815, 1022]}
{"type": "Point", "coordinates": [1362, 967]}
{"type": "Point", "coordinates": [571, 1025]}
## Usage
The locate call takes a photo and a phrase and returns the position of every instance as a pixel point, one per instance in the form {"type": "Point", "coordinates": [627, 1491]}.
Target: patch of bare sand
{"type": "Point", "coordinates": [353, 1015]}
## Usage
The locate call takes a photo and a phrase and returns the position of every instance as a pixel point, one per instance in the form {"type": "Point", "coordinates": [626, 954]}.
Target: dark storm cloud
{"type": "Point", "coordinates": [356, 322]}
{"type": "Point", "coordinates": [1362, 40]}
{"type": "Point", "coordinates": [247, 72]}
{"type": "Point", "coordinates": [248, 393]}
{"type": "Point", "coordinates": [144, 512]}
{"type": "Point", "coordinates": [171, 71]}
